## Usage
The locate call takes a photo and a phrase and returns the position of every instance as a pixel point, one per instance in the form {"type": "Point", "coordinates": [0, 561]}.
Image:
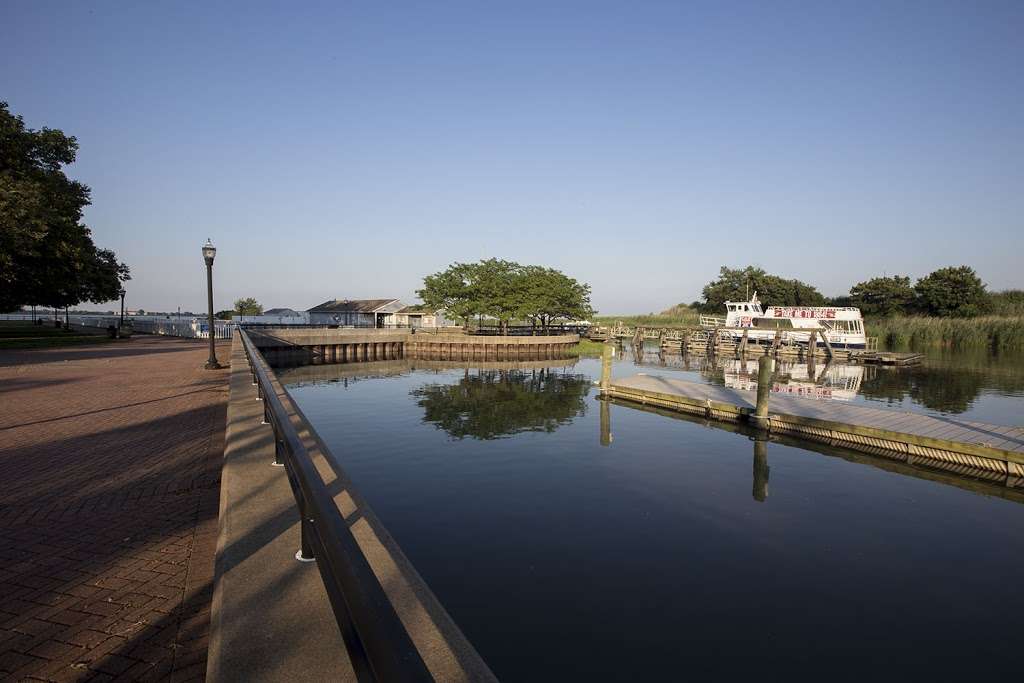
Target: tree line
{"type": "Point", "coordinates": [954, 291]}
{"type": "Point", "coordinates": [506, 291]}
{"type": "Point", "coordinates": [47, 256]}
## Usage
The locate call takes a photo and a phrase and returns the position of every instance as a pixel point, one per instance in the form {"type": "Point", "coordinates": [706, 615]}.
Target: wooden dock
{"type": "Point", "coordinates": [722, 341]}
{"type": "Point", "coordinates": [991, 452]}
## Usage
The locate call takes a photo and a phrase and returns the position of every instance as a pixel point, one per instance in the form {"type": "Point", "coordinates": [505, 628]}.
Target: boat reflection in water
{"type": "Point", "coordinates": [831, 381]}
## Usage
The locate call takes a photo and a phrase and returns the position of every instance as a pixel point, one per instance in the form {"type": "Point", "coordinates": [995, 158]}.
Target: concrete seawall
{"type": "Point", "coordinates": [315, 346]}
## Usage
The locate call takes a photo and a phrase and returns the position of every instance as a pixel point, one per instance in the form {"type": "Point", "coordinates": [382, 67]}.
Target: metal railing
{"type": "Point", "coordinates": [530, 330]}
{"type": "Point", "coordinates": [378, 644]}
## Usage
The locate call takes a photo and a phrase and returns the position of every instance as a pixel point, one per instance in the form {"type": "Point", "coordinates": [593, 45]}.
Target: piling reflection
{"type": "Point", "coordinates": [948, 383]}
{"type": "Point", "coordinates": [760, 469]}
{"type": "Point", "coordinates": [494, 403]}
{"type": "Point", "coordinates": [606, 423]}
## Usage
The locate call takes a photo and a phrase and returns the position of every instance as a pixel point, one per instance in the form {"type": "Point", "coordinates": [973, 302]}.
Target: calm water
{"type": "Point", "coordinates": [679, 550]}
{"type": "Point", "coordinates": [975, 386]}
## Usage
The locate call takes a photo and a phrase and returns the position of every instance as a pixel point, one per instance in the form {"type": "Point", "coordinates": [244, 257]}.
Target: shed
{"type": "Point", "coordinates": [356, 312]}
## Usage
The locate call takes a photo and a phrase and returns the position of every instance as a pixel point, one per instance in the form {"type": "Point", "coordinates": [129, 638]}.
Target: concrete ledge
{"type": "Point", "coordinates": [271, 619]}
{"type": "Point", "coordinates": [277, 337]}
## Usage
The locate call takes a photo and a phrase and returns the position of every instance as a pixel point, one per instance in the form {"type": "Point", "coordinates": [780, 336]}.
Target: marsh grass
{"type": "Point", "coordinates": [919, 332]}
{"type": "Point", "coordinates": [687, 318]}
{"type": "Point", "coordinates": [586, 347]}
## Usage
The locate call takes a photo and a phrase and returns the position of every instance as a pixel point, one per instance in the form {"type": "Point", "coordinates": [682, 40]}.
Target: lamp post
{"type": "Point", "coordinates": [209, 252]}
{"type": "Point", "coordinates": [122, 293]}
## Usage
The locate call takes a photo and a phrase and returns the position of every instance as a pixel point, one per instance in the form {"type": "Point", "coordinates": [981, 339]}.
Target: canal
{"type": "Point", "coordinates": [667, 548]}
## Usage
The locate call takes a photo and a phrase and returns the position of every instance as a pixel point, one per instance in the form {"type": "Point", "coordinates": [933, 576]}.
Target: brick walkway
{"type": "Point", "coordinates": [110, 461]}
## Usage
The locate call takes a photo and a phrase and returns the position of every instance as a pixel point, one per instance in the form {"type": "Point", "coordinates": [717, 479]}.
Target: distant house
{"type": "Point", "coordinates": [284, 313]}
{"type": "Point", "coordinates": [356, 312]}
{"type": "Point", "coordinates": [275, 316]}
{"type": "Point", "coordinates": [419, 316]}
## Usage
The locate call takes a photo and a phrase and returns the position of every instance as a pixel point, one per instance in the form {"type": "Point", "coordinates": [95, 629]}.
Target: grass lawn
{"type": "Point", "coordinates": [16, 334]}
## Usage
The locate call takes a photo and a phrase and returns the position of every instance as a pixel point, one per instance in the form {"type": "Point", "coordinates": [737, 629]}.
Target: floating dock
{"type": "Point", "coordinates": [991, 452]}
{"type": "Point", "coordinates": [722, 341]}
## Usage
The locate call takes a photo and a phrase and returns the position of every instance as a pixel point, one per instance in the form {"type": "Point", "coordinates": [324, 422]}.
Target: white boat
{"type": "Point", "coordinates": [843, 326]}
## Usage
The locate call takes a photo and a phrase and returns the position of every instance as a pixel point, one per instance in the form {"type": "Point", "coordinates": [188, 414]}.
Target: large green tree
{"type": "Point", "coordinates": [551, 295]}
{"type": "Point", "coordinates": [883, 295]}
{"type": "Point", "coordinates": [952, 291]}
{"type": "Point", "coordinates": [452, 291]}
{"type": "Point", "coordinates": [47, 255]}
{"type": "Point", "coordinates": [506, 291]}
{"type": "Point", "coordinates": [500, 289]}
{"type": "Point", "coordinates": [736, 284]}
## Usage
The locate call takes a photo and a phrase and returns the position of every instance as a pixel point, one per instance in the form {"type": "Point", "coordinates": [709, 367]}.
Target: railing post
{"type": "Point", "coordinates": [305, 553]}
{"type": "Point", "coordinates": [764, 388]}
{"type": "Point", "coordinates": [278, 447]}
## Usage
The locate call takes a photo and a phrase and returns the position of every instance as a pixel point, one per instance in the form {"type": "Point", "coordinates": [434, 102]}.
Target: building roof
{"type": "Point", "coordinates": [283, 312]}
{"type": "Point", "coordinates": [351, 306]}
{"type": "Point", "coordinates": [419, 309]}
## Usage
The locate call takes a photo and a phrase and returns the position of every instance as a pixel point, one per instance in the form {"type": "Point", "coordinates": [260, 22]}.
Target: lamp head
{"type": "Point", "coordinates": [209, 252]}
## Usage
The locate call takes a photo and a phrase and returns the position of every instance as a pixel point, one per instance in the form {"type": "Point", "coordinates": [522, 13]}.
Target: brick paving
{"type": "Point", "coordinates": [110, 459]}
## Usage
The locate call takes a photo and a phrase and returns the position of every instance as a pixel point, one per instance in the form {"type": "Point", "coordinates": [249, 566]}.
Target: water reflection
{"type": "Point", "coordinates": [946, 382]}
{"type": "Point", "coordinates": [606, 423]}
{"type": "Point", "coordinates": [760, 492]}
{"type": "Point", "coordinates": [965, 477]}
{"type": "Point", "coordinates": [348, 373]}
{"type": "Point", "coordinates": [494, 403]}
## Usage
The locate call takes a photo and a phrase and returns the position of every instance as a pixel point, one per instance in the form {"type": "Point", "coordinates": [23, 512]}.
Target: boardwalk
{"type": "Point", "coordinates": [110, 462]}
{"type": "Point", "coordinates": [990, 451]}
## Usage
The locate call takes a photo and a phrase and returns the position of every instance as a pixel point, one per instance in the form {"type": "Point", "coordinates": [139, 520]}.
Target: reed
{"type": "Point", "coordinates": [916, 332]}
{"type": "Point", "coordinates": [586, 347]}
{"type": "Point", "coordinates": [686, 318]}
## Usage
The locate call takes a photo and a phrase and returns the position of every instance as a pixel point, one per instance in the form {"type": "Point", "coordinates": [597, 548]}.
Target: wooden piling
{"type": "Point", "coordinates": [764, 389]}
{"type": "Point", "coordinates": [606, 366]}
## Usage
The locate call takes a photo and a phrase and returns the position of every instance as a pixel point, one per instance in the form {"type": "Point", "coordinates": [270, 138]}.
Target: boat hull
{"type": "Point", "coordinates": [767, 337]}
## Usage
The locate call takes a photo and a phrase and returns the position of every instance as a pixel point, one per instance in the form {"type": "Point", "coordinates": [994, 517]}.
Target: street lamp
{"type": "Point", "coordinates": [209, 252]}
{"type": "Point", "coordinates": [122, 293]}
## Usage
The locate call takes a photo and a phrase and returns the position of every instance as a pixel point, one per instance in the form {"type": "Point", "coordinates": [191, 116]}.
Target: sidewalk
{"type": "Point", "coordinates": [110, 459]}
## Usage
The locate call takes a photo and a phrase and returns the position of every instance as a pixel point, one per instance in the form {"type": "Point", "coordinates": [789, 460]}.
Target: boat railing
{"type": "Point", "coordinates": [712, 321]}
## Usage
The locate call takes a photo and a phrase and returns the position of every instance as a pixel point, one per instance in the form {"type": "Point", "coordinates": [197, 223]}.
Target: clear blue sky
{"type": "Point", "coordinates": [348, 149]}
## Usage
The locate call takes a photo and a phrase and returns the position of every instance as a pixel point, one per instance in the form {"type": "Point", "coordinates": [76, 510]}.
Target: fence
{"type": "Point", "coordinates": [380, 647]}
{"type": "Point", "coordinates": [532, 331]}
{"type": "Point", "coordinates": [189, 328]}
{"type": "Point", "coordinates": [197, 327]}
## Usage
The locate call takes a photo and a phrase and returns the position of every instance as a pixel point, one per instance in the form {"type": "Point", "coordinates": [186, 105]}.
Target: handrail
{"type": "Point", "coordinates": [378, 644]}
